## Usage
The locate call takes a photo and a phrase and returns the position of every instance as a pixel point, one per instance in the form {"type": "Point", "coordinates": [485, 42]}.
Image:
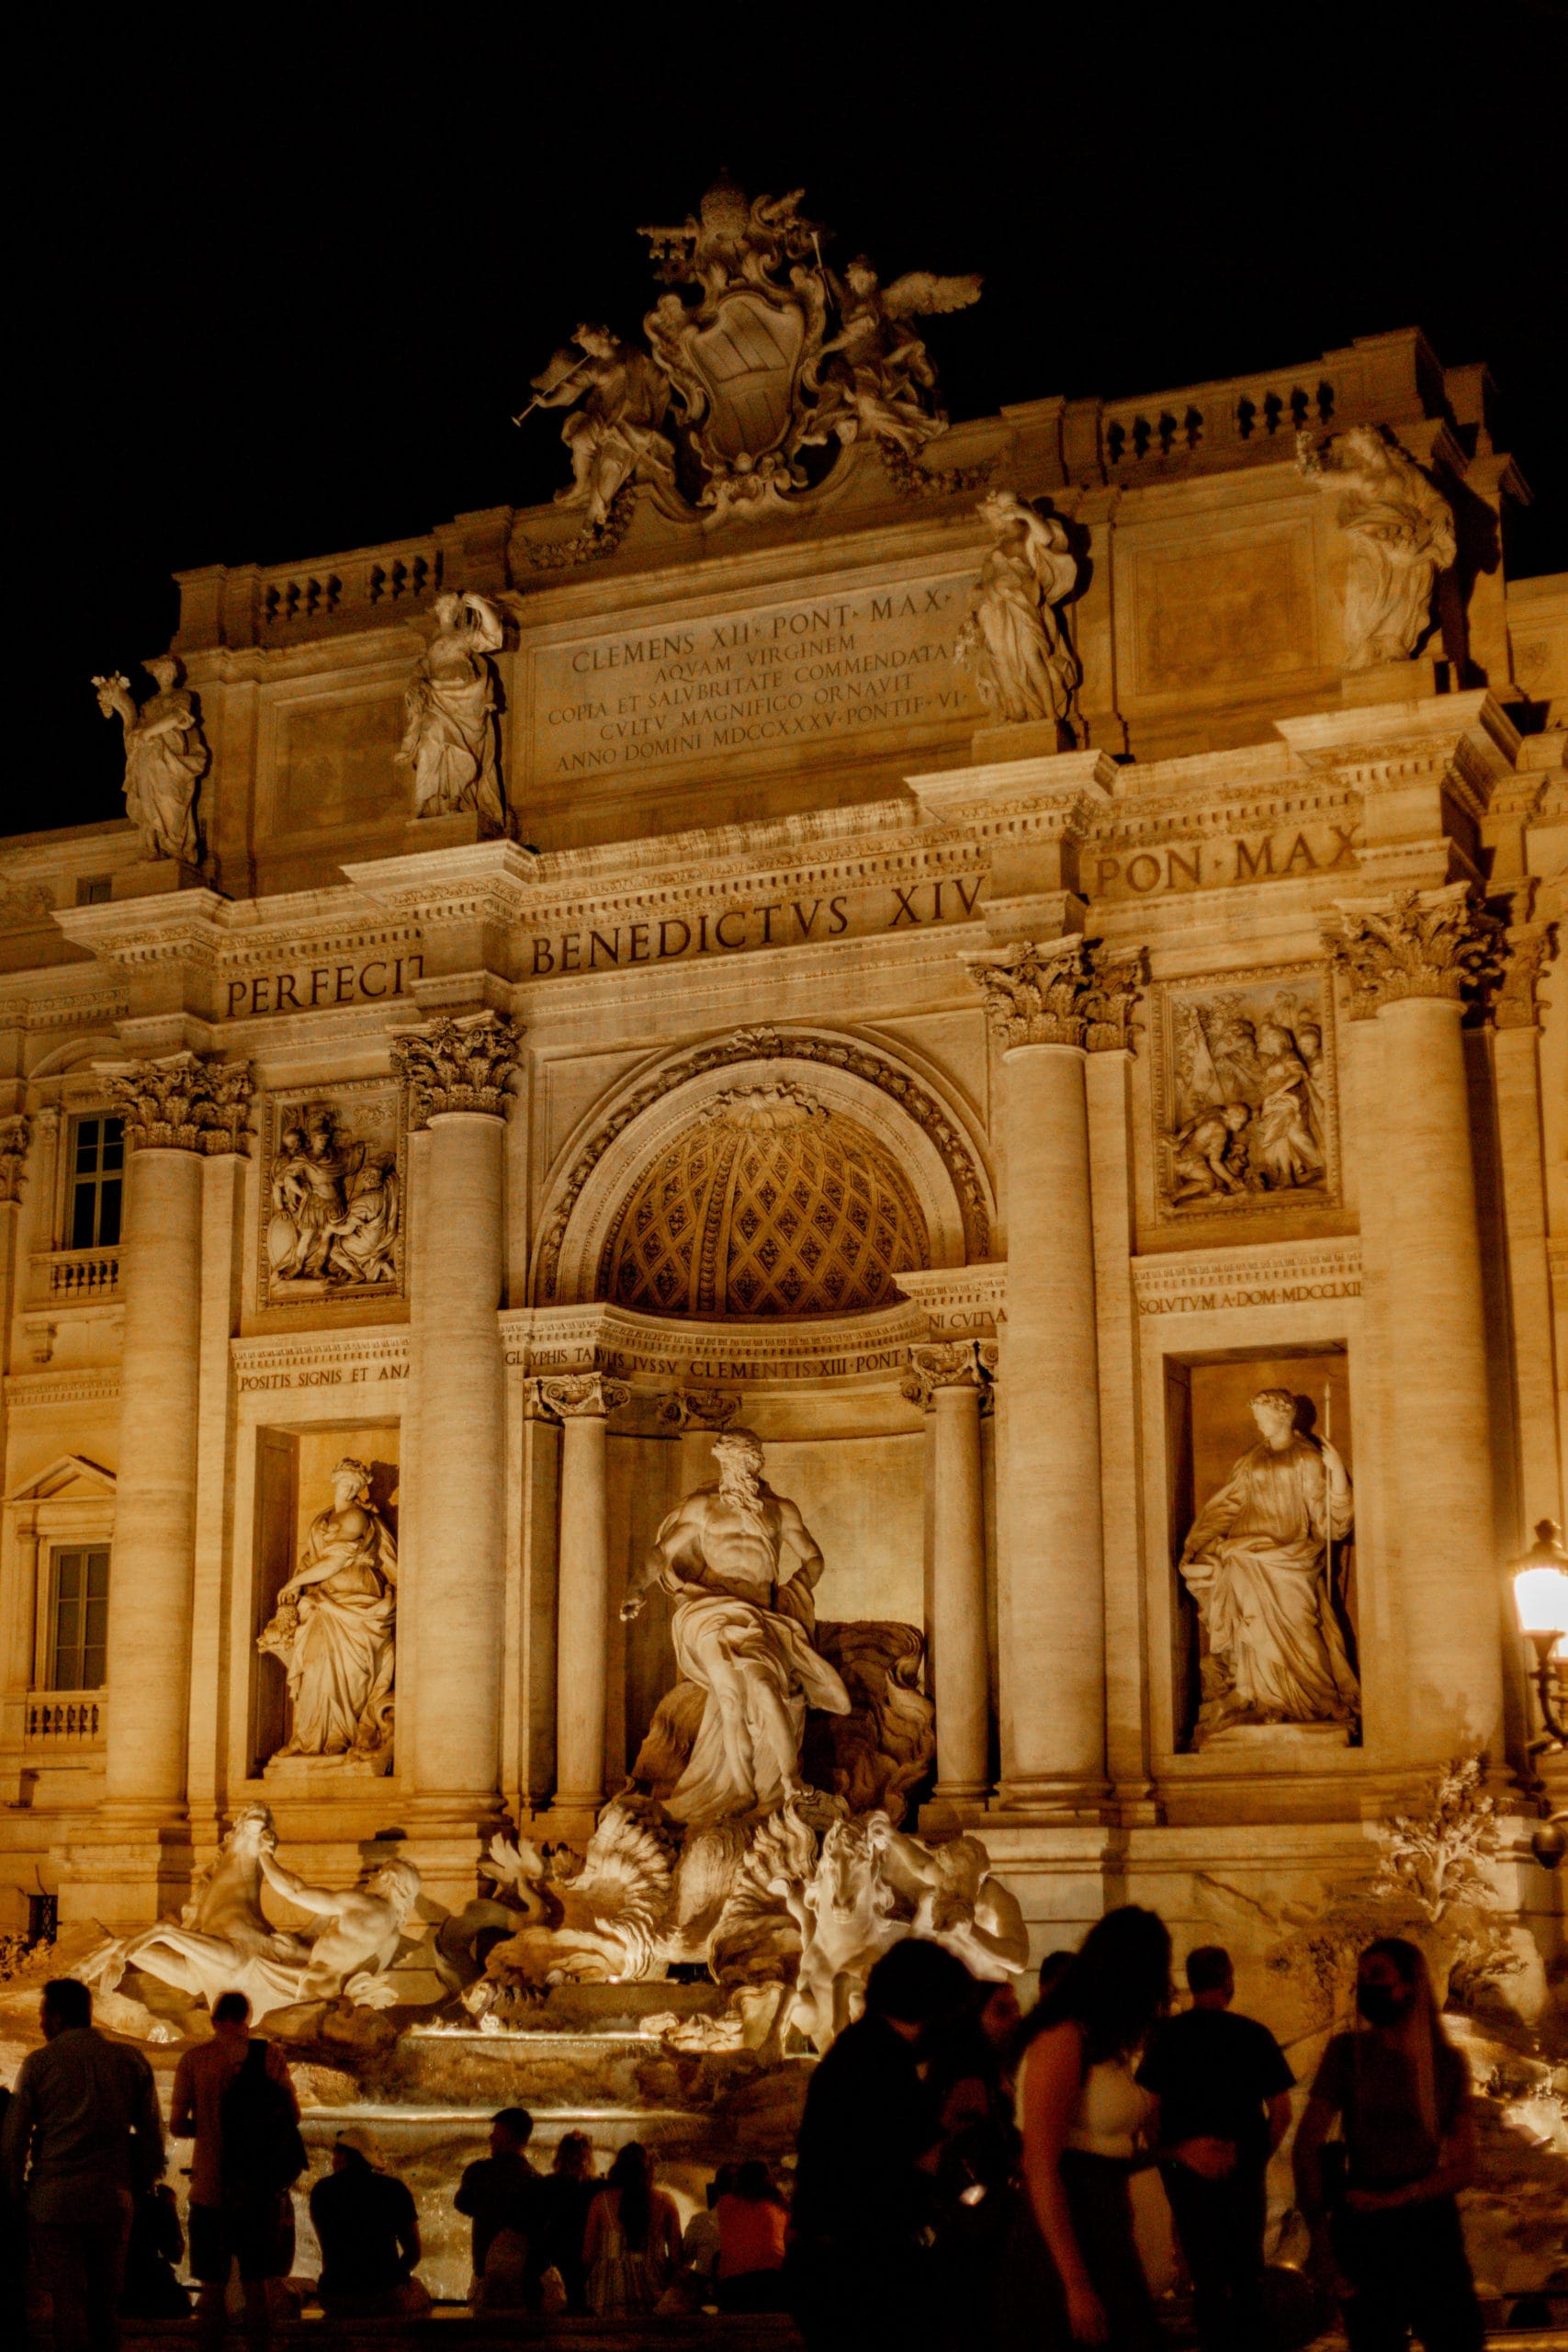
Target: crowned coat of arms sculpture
{"type": "Point", "coordinates": [777, 356]}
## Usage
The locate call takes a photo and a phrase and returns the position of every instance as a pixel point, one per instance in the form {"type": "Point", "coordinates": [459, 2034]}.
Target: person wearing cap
{"type": "Point", "coordinates": [369, 2231]}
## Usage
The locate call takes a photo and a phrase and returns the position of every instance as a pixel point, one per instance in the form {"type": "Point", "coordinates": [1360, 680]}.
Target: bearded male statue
{"type": "Point", "coordinates": [742, 1635]}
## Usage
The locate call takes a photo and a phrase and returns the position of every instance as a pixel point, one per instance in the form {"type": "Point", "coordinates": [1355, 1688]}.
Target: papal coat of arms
{"type": "Point", "coordinates": [747, 393]}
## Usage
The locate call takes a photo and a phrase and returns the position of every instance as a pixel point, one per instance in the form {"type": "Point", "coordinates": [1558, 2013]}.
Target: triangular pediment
{"type": "Point", "coordinates": [73, 1478]}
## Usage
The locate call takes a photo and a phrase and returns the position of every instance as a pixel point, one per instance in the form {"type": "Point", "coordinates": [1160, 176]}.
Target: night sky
{"type": "Point", "coordinates": [281, 299]}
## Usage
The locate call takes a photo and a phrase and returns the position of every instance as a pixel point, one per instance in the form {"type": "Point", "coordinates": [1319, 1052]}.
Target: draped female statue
{"type": "Point", "coordinates": [1011, 638]}
{"type": "Point", "coordinates": [333, 1629]}
{"type": "Point", "coordinates": [1255, 1562]}
{"type": "Point", "coordinates": [450, 703]}
{"type": "Point", "coordinates": [165, 759]}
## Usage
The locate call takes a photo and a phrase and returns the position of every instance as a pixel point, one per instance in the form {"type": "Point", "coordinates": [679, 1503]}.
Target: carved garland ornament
{"type": "Point", "coordinates": [764, 1044]}
{"type": "Point", "coordinates": [1071, 992]}
{"type": "Point", "coordinates": [458, 1065]}
{"type": "Point", "coordinates": [575, 1396]}
{"type": "Point", "coordinates": [182, 1104]}
{"type": "Point", "coordinates": [1415, 943]}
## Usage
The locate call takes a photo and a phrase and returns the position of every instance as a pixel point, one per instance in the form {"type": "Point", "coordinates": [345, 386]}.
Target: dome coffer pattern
{"type": "Point", "coordinates": [766, 1204]}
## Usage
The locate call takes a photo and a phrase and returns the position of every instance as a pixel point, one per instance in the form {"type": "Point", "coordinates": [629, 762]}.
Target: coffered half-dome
{"type": "Point", "coordinates": [766, 1204]}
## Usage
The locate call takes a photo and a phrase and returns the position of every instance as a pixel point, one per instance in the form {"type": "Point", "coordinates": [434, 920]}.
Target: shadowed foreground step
{"type": "Point", "coordinates": [454, 2331]}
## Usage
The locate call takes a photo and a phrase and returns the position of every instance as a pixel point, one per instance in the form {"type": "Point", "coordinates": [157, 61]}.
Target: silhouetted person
{"type": "Point", "coordinates": [632, 2248]}
{"type": "Point", "coordinates": [861, 2198]}
{"type": "Point", "coordinates": [1224, 2077]}
{"type": "Point", "coordinates": [240, 2211]}
{"type": "Point", "coordinates": [157, 2249]}
{"type": "Point", "coordinates": [1072, 2273]}
{"type": "Point", "coordinates": [83, 2140]}
{"type": "Point", "coordinates": [369, 2231]}
{"type": "Point", "coordinates": [566, 2196]}
{"type": "Point", "coordinates": [1386, 2230]}
{"type": "Point", "coordinates": [501, 2195]}
{"type": "Point", "coordinates": [752, 2216]}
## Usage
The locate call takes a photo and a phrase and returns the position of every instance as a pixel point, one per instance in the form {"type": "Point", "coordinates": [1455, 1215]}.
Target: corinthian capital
{"type": "Point", "coordinates": [1413, 943]}
{"type": "Point", "coordinates": [944, 1363]}
{"type": "Point", "coordinates": [14, 1137]}
{"type": "Point", "coordinates": [1072, 991]}
{"type": "Point", "coordinates": [573, 1396]}
{"type": "Point", "coordinates": [457, 1065]}
{"type": "Point", "coordinates": [185, 1103]}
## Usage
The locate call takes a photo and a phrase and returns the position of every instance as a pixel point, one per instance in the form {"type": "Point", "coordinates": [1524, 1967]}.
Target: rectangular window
{"type": "Point", "coordinates": [98, 1174]}
{"type": "Point", "coordinates": [94, 890]}
{"type": "Point", "coordinates": [78, 1618]}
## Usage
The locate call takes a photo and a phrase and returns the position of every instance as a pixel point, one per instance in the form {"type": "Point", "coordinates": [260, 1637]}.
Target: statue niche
{"type": "Point", "coordinates": [333, 1629]}
{"type": "Point", "coordinates": [1258, 1561]}
{"type": "Point", "coordinates": [756, 1666]}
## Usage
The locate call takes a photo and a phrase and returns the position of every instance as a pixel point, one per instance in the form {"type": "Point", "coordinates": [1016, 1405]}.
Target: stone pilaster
{"type": "Point", "coordinates": [1049, 1005]}
{"type": "Point", "coordinates": [948, 1378]}
{"type": "Point", "coordinates": [583, 1401]}
{"type": "Point", "coordinates": [1410, 962]}
{"type": "Point", "coordinates": [178, 1111]}
{"type": "Point", "coordinates": [15, 1134]}
{"type": "Point", "coordinates": [457, 1072]}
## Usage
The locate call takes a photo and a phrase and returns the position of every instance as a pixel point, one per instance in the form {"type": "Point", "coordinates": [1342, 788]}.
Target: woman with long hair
{"type": "Point", "coordinates": [1073, 2273]}
{"type": "Point", "coordinates": [753, 2216]}
{"type": "Point", "coordinates": [633, 2243]}
{"type": "Point", "coordinates": [1386, 2228]}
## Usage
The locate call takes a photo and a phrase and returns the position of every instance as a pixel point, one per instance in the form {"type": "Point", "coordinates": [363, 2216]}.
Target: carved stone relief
{"type": "Point", "coordinates": [333, 1226]}
{"type": "Point", "coordinates": [1245, 1092]}
{"type": "Point", "coordinates": [776, 356]}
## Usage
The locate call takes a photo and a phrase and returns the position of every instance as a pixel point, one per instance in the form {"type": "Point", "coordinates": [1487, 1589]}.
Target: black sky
{"type": "Point", "coordinates": [284, 290]}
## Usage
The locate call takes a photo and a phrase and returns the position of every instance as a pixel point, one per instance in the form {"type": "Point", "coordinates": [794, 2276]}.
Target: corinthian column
{"type": "Point", "coordinates": [177, 1112]}
{"type": "Point", "coordinates": [457, 1072]}
{"type": "Point", "coordinates": [1410, 961]}
{"type": "Point", "coordinates": [583, 1401]}
{"type": "Point", "coordinates": [1049, 1005]}
{"type": "Point", "coordinates": [946, 1379]}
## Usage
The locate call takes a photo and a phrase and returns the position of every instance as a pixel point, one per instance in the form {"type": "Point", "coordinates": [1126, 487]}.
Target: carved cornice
{"type": "Point", "coordinates": [184, 1102]}
{"type": "Point", "coordinates": [764, 1044]}
{"type": "Point", "coordinates": [1439, 944]}
{"type": "Point", "coordinates": [457, 1065]}
{"type": "Point", "coordinates": [948, 1364]}
{"type": "Point", "coordinates": [697, 1408]}
{"type": "Point", "coordinates": [15, 1134]}
{"type": "Point", "coordinates": [1071, 992]}
{"type": "Point", "coordinates": [579, 1395]}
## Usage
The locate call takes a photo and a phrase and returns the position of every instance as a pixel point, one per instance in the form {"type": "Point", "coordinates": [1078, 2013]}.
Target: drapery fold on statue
{"type": "Point", "coordinates": [760, 1673]}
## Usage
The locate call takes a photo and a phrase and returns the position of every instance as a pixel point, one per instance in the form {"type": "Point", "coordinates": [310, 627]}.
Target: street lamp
{"type": "Point", "coordinates": [1540, 1599]}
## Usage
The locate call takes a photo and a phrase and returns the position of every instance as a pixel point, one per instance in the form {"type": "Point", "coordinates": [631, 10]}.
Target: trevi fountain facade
{"type": "Point", "coordinates": [821, 1195]}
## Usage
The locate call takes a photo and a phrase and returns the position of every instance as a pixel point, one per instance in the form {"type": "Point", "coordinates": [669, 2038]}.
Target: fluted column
{"type": "Point", "coordinates": [1410, 960]}
{"type": "Point", "coordinates": [177, 1112]}
{"type": "Point", "coordinates": [947, 1379]}
{"type": "Point", "coordinates": [1049, 1005]}
{"type": "Point", "coordinates": [457, 1072]}
{"type": "Point", "coordinates": [583, 1402]}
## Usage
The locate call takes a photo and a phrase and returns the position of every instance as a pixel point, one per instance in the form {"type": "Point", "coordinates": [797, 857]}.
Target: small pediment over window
{"type": "Point", "coordinates": [73, 1478]}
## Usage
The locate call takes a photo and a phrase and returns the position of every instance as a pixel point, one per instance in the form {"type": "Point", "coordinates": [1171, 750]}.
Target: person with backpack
{"type": "Point", "coordinates": [234, 2097]}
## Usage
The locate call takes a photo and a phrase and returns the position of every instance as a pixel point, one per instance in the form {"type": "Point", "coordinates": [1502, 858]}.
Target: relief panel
{"type": "Point", "coordinates": [1245, 1094]}
{"type": "Point", "coordinates": [335, 765]}
{"type": "Point", "coordinates": [332, 1224]}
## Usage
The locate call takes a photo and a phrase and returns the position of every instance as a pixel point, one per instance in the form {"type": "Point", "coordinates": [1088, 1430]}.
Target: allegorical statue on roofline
{"type": "Point", "coordinates": [165, 758]}
{"type": "Point", "coordinates": [778, 356]}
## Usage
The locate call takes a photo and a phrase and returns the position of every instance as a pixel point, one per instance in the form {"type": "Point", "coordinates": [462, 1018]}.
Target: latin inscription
{"type": "Point", "coordinates": [793, 676]}
{"type": "Point", "coordinates": [1284, 856]}
{"type": "Point", "coordinates": [311, 987]}
{"type": "Point", "coordinates": [779, 922]}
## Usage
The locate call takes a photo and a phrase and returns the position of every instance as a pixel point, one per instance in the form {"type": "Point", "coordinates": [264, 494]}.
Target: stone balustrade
{"type": "Point", "coordinates": [67, 1718]}
{"type": "Point", "coordinates": [75, 1277]}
